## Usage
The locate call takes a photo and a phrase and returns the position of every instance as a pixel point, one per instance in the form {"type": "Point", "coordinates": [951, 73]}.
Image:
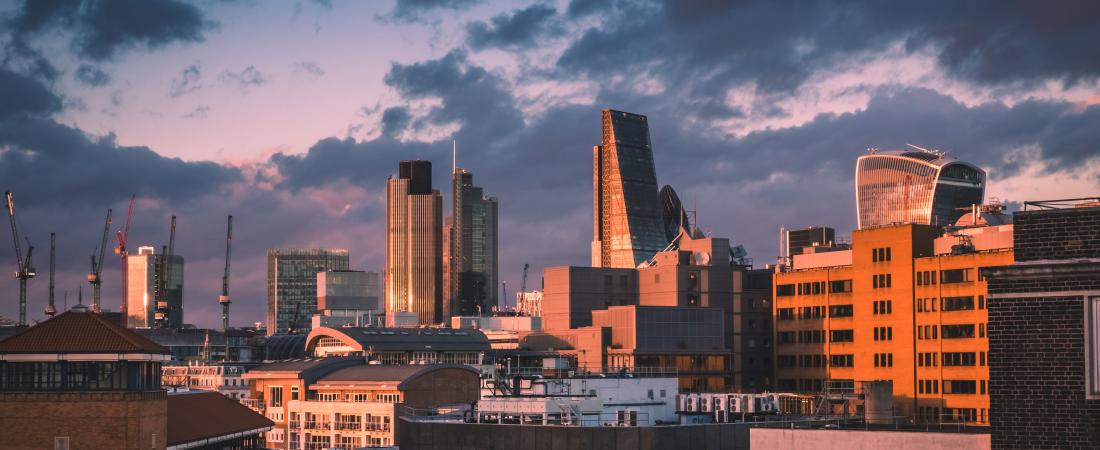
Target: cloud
{"type": "Point", "coordinates": [186, 82]}
{"type": "Point", "coordinates": [247, 77]}
{"type": "Point", "coordinates": [91, 76]}
{"type": "Point", "coordinates": [395, 120]}
{"type": "Point", "coordinates": [101, 29]}
{"type": "Point", "coordinates": [581, 8]}
{"type": "Point", "coordinates": [24, 96]}
{"type": "Point", "coordinates": [518, 30]}
{"type": "Point", "coordinates": [309, 69]}
{"type": "Point", "coordinates": [416, 9]}
{"type": "Point", "coordinates": [200, 112]}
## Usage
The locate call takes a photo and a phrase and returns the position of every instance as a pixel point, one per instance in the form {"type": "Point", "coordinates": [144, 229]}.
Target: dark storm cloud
{"type": "Point", "coordinates": [415, 9]}
{"type": "Point", "coordinates": [91, 76]}
{"type": "Point", "coordinates": [709, 46]}
{"type": "Point", "coordinates": [581, 8]}
{"type": "Point", "coordinates": [25, 96]}
{"type": "Point", "coordinates": [101, 29]}
{"type": "Point", "coordinates": [517, 30]}
{"type": "Point", "coordinates": [395, 120]}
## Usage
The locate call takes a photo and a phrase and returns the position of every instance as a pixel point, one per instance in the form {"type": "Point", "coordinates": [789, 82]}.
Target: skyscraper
{"type": "Point", "coordinates": [473, 251]}
{"type": "Point", "coordinates": [414, 244]}
{"type": "Point", "coordinates": [292, 284]}
{"type": "Point", "coordinates": [627, 228]}
{"type": "Point", "coordinates": [143, 278]}
{"type": "Point", "coordinates": [915, 186]}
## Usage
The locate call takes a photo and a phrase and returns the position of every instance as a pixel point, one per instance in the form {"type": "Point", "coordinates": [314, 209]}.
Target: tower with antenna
{"type": "Point", "coordinates": [224, 298]}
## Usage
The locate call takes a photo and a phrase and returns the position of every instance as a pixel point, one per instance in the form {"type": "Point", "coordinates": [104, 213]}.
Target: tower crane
{"type": "Point", "coordinates": [161, 315]}
{"type": "Point", "coordinates": [50, 309]}
{"type": "Point", "coordinates": [523, 285]}
{"type": "Point", "coordinates": [97, 264]}
{"type": "Point", "coordinates": [224, 298]}
{"type": "Point", "coordinates": [123, 235]}
{"type": "Point", "coordinates": [24, 268]}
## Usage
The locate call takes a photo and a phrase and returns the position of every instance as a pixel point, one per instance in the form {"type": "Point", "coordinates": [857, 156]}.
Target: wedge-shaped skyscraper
{"type": "Point", "coordinates": [918, 186]}
{"type": "Point", "coordinates": [627, 228]}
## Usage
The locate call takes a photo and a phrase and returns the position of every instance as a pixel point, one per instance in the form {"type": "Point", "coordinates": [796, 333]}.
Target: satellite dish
{"type": "Point", "coordinates": [702, 258]}
{"type": "Point", "coordinates": [738, 252]}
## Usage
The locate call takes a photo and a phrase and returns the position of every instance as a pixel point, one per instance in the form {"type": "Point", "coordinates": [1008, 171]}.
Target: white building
{"type": "Point", "coordinates": [224, 379]}
{"type": "Point", "coordinates": [592, 400]}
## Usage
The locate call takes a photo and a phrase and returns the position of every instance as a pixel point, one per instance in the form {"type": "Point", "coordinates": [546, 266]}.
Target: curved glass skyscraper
{"type": "Point", "coordinates": [923, 187]}
{"type": "Point", "coordinates": [627, 228]}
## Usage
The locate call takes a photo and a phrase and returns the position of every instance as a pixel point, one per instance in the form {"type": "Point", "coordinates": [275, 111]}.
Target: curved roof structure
{"type": "Point", "coordinates": [923, 187]}
{"type": "Point", "coordinates": [381, 373]}
{"type": "Point", "coordinates": [359, 339]}
{"type": "Point", "coordinates": [672, 213]}
{"type": "Point", "coordinates": [285, 346]}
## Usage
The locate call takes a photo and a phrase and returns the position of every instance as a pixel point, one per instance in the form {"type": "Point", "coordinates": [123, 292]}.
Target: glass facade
{"type": "Point", "coordinates": [142, 280]}
{"type": "Point", "coordinates": [414, 244]}
{"type": "Point", "coordinates": [79, 376]}
{"type": "Point", "coordinates": [292, 285]}
{"type": "Point", "coordinates": [914, 187]}
{"type": "Point", "coordinates": [628, 227]}
{"type": "Point", "coordinates": [473, 248]}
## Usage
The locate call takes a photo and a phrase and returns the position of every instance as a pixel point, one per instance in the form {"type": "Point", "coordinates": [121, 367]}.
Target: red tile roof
{"type": "Point", "coordinates": [197, 415]}
{"type": "Point", "coordinates": [79, 332]}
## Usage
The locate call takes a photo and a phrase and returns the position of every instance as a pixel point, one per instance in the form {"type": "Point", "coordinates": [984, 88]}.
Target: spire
{"type": "Point", "coordinates": [454, 156]}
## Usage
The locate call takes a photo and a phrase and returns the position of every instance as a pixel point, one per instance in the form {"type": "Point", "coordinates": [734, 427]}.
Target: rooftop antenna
{"type": "Point", "coordinates": [50, 309]}
{"type": "Point", "coordinates": [454, 156]}
{"type": "Point", "coordinates": [66, 298]}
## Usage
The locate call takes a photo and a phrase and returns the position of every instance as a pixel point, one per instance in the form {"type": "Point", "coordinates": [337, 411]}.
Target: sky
{"type": "Point", "coordinates": [290, 115]}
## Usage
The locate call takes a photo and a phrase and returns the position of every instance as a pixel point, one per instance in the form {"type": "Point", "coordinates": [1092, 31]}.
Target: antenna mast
{"type": "Point", "coordinates": [224, 298]}
{"type": "Point", "coordinates": [50, 309]}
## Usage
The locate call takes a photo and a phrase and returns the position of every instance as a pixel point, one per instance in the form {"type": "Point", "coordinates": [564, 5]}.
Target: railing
{"type": "Point", "coordinates": [318, 426]}
{"type": "Point", "coordinates": [377, 427]}
{"type": "Point", "coordinates": [253, 404]}
{"type": "Point", "coordinates": [347, 426]}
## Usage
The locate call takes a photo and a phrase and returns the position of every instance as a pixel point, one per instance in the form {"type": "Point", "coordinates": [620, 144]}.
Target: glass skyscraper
{"type": "Point", "coordinates": [921, 186]}
{"type": "Point", "coordinates": [473, 248]}
{"type": "Point", "coordinates": [627, 222]}
{"type": "Point", "coordinates": [142, 280]}
{"type": "Point", "coordinates": [414, 244]}
{"type": "Point", "coordinates": [292, 284]}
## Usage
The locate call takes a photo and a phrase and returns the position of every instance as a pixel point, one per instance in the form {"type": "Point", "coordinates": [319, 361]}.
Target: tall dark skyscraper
{"type": "Point", "coordinates": [473, 248]}
{"type": "Point", "coordinates": [627, 228]}
{"type": "Point", "coordinates": [414, 244]}
{"type": "Point", "coordinates": [915, 186]}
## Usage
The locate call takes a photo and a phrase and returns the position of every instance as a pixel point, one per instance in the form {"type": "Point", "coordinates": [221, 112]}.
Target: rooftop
{"type": "Point", "coordinates": [402, 339]}
{"type": "Point", "coordinates": [77, 331]}
{"type": "Point", "coordinates": [397, 374]}
{"type": "Point", "coordinates": [201, 418]}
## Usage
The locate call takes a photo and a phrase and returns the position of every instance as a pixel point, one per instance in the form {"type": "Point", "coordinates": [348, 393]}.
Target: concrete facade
{"type": "Point", "coordinates": [797, 439]}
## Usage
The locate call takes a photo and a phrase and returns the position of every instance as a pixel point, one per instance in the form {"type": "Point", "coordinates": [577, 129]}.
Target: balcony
{"type": "Point", "coordinates": [253, 404]}
{"type": "Point", "coordinates": [294, 425]}
{"type": "Point", "coordinates": [378, 427]}
{"type": "Point", "coordinates": [356, 426]}
{"type": "Point", "coordinates": [318, 426]}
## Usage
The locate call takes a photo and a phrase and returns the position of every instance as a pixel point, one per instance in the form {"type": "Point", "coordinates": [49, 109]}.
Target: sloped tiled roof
{"type": "Point", "coordinates": [79, 332]}
{"type": "Point", "coordinates": [195, 416]}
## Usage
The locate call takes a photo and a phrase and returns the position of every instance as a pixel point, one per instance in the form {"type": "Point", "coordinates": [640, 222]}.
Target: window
{"type": "Point", "coordinates": [275, 397]}
{"type": "Point", "coordinates": [955, 276]}
{"type": "Point", "coordinates": [607, 280]}
{"type": "Point", "coordinates": [884, 360]}
{"type": "Point", "coordinates": [926, 359]}
{"type": "Point", "coordinates": [884, 333]}
{"type": "Point", "coordinates": [294, 392]}
{"type": "Point", "coordinates": [624, 281]}
{"type": "Point", "coordinates": [784, 290]}
{"type": "Point", "coordinates": [785, 337]}
{"type": "Point", "coordinates": [786, 361]}
{"type": "Point", "coordinates": [880, 254]}
{"type": "Point", "coordinates": [785, 313]}
{"type": "Point", "coordinates": [958, 331]}
{"type": "Point", "coordinates": [656, 278]}
{"type": "Point", "coordinates": [840, 311]}
{"type": "Point", "coordinates": [840, 360]}
{"type": "Point", "coordinates": [952, 359]}
{"type": "Point", "coordinates": [981, 302]}
{"type": "Point", "coordinates": [1092, 347]}
{"type": "Point", "coordinates": [958, 303]}
{"type": "Point", "coordinates": [883, 307]}
{"type": "Point", "coordinates": [841, 336]}
{"type": "Point", "coordinates": [61, 443]}
{"type": "Point", "coordinates": [926, 331]}
{"type": "Point", "coordinates": [982, 359]}
{"type": "Point", "coordinates": [881, 281]}
{"type": "Point", "coordinates": [960, 387]}
{"type": "Point", "coordinates": [840, 286]}
{"type": "Point", "coordinates": [811, 336]}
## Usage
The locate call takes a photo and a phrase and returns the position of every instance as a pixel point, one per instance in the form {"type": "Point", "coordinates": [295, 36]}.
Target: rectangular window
{"type": "Point", "coordinates": [784, 337]}
{"type": "Point", "coordinates": [785, 361]}
{"type": "Point", "coordinates": [960, 387]}
{"type": "Point", "coordinates": [955, 276]}
{"type": "Point", "coordinates": [841, 311]}
{"type": "Point", "coordinates": [840, 360]}
{"type": "Point", "coordinates": [951, 359]}
{"type": "Point", "coordinates": [294, 392]}
{"type": "Point", "coordinates": [958, 303]}
{"type": "Point", "coordinates": [840, 286]}
{"type": "Point", "coordinates": [841, 336]}
{"type": "Point", "coordinates": [785, 313]}
{"type": "Point", "coordinates": [1092, 341]}
{"type": "Point", "coordinates": [958, 331]}
{"type": "Point", "coordinates": [275, 396]}
{"type": "Point", "coordinates": [981, 302]}
{"type": "Point", "coordinates": [784, 290]}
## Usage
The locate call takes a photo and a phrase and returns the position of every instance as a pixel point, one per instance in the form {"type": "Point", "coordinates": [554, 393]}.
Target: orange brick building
{"type": "Point", "coordinates": [902, 304]}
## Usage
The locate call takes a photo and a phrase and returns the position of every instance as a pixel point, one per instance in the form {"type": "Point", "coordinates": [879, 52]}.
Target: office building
{"type": "Point", "coordinates": [78, 380]}
{"type": "Point", "coordinates": [400, 345]}
{"type": "Point", "coordinates": [810, 237]}
{"type": "Point", "coordinates": [673, 214]}
{"type": "Point", "coordinates": [348, 297]}
{"type": "Point", "coordinates": [915, 186]}
{"type": "Point", "coordinates": [473, 249]}
{"type": "Point", "coordinates": [752, 345]}
{"type": "Point", "coordinates": [1044, 330]}
{"type": "Point", "coordinates": [142, 284]}
{"type": "Point", "coordinates": [292, 285]}
{"type": "Point", "coordinates": [627, 228]}
{"type": "Point", "coordinates": [904, 304]}
{"type": "Point", "coordinates": [346, 403]}
{"type": "Point", "coordinates": [414, 244]}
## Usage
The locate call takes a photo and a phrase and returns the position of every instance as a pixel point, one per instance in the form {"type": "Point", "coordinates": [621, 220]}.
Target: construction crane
{"type": "Point", "coordinates": [50, 309]}
{"type": "Point", "coordinates": [161, 316]}
{"type": "Point", "coordinates": [123, 235]}
{"type": "Point", "coordinates": [523, 285]}
{"type": "Point", "coordinates": [24, 268]}
{"type": "Point", "coordinates": [97, 264]}
{"type": "Point", "coordinates": [224, 298]}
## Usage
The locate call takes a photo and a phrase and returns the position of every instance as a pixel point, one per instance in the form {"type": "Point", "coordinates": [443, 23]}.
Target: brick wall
{"type": "Point", "coordinates": [91, 420]}
{"type": "Point", "coordinates": [1037, 358]}
{"type": "Point", "coordinates": [1071, 233]}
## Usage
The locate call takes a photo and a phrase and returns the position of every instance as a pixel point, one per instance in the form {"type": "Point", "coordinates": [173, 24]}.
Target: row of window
{"type": "Point", "coordinates": [813, 288]}
{"type": "Point", "coordinates": [951, 415]}
{"type": "Point", "coordinates": [804, 361]}
{"type": "Point", "coordinates": [884, 333]}
{"type": "Point", "coordinates": [814, 312]}
{"type": "Point", "coordinates": [962, 331]}
{"type": "Point", "coordinates": [884, 360]}
{"type": "Point", "coordinates": [880, 254]}
{"type": "Point", "coordinates": [883, 307]}
{"type": "Point", "coordinates": [884, 280]}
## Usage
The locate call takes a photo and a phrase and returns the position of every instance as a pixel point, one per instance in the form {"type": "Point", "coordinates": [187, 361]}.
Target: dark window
{"type": "Point", "coordinates": [955, 276]}
{"type": "Point", "coordinates": [840, 311]}
{"type": "Point", "coordinates": [785, 361]}
{"type": "Point", "coordinates": [958, 331]}
{"type": "Point", "coordinates": [785, 313]}
{"type": "Point", "coordinates": [951, 359]}
{"type": "Point", "coordinates": [785, 337]}
{"type": "Point", "coordinates": [840, 286]}
{"type": "Point", "coordinates": [841, 336]}
{"type": "Point", "coordinates": [960, 387]}
{"type": "Point", "coordinates": [840, 360]}
{"type": "Point", "coordinates": [958, 303]}
{"type": "Point", "coordinates": [784, 290]}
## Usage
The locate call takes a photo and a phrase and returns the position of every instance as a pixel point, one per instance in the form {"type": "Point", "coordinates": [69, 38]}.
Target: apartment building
{"type": "Point", "coordinates": [904, 304]}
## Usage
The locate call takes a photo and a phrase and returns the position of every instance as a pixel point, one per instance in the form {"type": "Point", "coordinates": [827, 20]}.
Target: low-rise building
{"type": "Point", "coordinates": [611, 399]}
{"type": "Point", "coordinates": [400, 345]}
{"type": "Point", "coordinates": [226, 379]}
{"type": "Point", "coordinates": [206, 420]}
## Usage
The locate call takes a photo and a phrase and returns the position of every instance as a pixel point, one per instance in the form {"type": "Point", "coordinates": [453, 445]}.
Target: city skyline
{"type": "Point", "coordinates": [296, 143]}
